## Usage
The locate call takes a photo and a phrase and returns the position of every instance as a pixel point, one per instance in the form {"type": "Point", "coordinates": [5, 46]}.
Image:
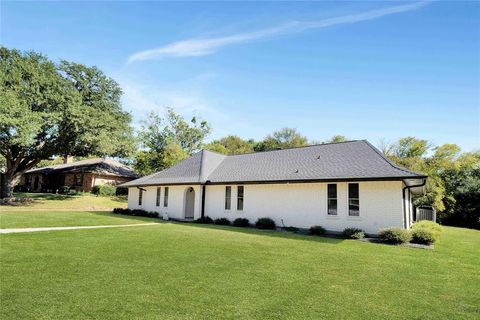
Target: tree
{"type": "Point", "coordinates": [336, 138]}
{"type": "Point", "coordinates": [284, 138]}
{"type": "Point", "coordinates": [165, 142]}
{"type": "Point", "coordinates": [48, 109]}
{"type": "Point", "coordinates": [231, 145]}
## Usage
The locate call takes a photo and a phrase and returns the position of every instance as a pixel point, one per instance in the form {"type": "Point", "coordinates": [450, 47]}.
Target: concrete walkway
{"type": "Point", "coordinates": [20, 230]}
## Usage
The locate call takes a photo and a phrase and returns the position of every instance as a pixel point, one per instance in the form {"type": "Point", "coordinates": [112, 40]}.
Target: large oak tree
{"type": "Point", "coordinates": [49, 109]}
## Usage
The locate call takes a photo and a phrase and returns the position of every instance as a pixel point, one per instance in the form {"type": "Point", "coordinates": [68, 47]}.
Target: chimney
{"type": "Point", "coordinates": [67, 159]}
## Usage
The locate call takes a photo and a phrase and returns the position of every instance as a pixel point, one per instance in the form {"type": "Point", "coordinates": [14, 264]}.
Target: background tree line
{"type": "Point", "coordinates": [49, 110]}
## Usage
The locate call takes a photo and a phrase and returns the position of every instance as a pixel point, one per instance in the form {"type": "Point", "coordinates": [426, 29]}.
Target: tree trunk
{"type": "Point", "coordinates": [8, 183]}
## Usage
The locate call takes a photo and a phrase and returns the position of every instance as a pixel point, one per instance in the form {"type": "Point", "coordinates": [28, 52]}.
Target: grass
{"type": "Point", "coordinates": [32, 218]}
{"type": "Point", "coordinates": [80, 202]}
{"type": "Point", "coordinates": [186, 271]}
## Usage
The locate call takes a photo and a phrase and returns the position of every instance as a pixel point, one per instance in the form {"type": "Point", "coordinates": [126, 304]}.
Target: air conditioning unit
{"type": "Point", "coordinates": [165, 216]}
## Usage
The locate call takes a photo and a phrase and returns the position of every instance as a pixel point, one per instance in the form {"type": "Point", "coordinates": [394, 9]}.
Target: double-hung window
{"type": "Point", "coordinates": [165, 197]}
{"type": "Point", "coordinates": [353, 200]}
{"type": "Point", "coordinates": [332, 199]}
{"type": "Point", "coordinates": [159, 191]}
{"type": "Point", "coordinates": [140, 196]}
{"type": "Point", "coordinates": [240, 190]}
{"type": "Point", "coordinates": [228, 198]}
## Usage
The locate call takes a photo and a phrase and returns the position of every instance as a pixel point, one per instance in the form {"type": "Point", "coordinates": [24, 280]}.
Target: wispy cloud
{"type": "Point", "coordinates": [205, 46]}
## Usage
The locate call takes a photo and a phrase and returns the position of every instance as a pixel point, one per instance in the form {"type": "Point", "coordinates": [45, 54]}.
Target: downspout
{"type": "Point", "coordinates": [403, 197]}
{"type": "Point", "coordinates": [203, 198]}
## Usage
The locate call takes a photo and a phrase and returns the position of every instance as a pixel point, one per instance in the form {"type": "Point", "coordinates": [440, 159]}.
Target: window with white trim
{"type": "Point", "coordinates": [353, 200]}
{"type": "Point", "coordinates": [240, 191]}
{"type": "Point", "coordinates": [332, 199]}
{"type": "Point", "coordinates": [159, 191]}
{"type": "Point", "coordinates": [228, 198]}
{"type": "Point", "coordinates": [165, 197]}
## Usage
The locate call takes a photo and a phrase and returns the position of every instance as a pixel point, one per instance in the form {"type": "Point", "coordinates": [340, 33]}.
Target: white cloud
{"type": "Point", "coordinates": [205, 46]}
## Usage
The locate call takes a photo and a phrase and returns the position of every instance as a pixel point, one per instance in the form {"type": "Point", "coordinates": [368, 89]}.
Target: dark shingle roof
{"type": "Point", "coordinates": [335, 161]}
{"type": "Point", "coordinates": [97, 165]}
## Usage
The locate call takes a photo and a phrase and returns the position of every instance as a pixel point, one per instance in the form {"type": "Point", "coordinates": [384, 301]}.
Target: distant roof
{"type": "Point", "coordinates": [97, 165]}
{"type": "Point", "coordinates": [324, 162]}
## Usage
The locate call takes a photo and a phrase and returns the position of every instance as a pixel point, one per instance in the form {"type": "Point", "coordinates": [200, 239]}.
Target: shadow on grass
{"type": "Point", "coordinates": [266, 233]}
{"type": "Point", "coordinates": [126, 217]}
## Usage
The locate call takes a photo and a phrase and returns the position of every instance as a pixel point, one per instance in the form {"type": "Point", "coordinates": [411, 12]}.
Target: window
{"type": "Point", "coordinates": [159, 191]}
{"type": "Point", "coordinates": [165, 197]}
{"type": "Point", "coordinates": [228, 198]}
{"type": "Point", "coordinates": [78, 180]}
{"type": "Point", "coordinates": [240, 198]}
{"type": "Point", "coordinates": [353, 200]}
{"type": "Point", "coordinates": [140, 196]}
{"type": "Point", "coordinates": [332, 199]}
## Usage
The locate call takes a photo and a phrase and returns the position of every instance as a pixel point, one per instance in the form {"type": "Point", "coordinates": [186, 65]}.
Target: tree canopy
{"type": "Point", "coordinates": [49, 109]}
{"type": "Point", "coordinates": [231, 145]}
{"type": "Point", "coordinates": [283, 138]}
{"type": "Point", "coordinates": [166, 141]}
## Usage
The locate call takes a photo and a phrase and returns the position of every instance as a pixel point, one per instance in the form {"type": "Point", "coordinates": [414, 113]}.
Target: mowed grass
{"type": "Point", "coordinates": [186, 271]}
{"type": "Point", "coordinates": [33, 219]}
{"type": "Point", "coordinates": [50, 201]}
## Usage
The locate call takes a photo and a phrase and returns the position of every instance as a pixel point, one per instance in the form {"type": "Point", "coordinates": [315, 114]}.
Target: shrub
{"type": "Point", "coordinates": [121, 191]}
{"type": "Point", "coordinates": [353, 233]}
{"type": "Point", "coordinates": [104, 190]}
{"type": "Point", "coordinates": [291, 229]}
{"type": "Point", "coordinates": [265, 223]}
{"type": "Point", "coordinates": [136, 212]}
{"type": "Point", "coordinates": [222, 221]}
{"type": "Point", "coordinates": [241, 222]}
{"type": "Point", "coordinates": [423, 236]}
{"type": "Point", "coordinates": [204, 220]}
{"type": "Point", "coordinates": [425, 224]}
{"type": "Point", "coordinates": [395, 235]}
{"type": "Point", "coordinates": [317, 230]}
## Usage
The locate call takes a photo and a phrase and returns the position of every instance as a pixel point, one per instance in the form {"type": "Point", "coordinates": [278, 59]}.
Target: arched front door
{"type": "Point", "coordinates": [189, 203]}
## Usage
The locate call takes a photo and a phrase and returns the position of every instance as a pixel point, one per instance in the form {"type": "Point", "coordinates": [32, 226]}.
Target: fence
{"type": "Point", "coordinates": [426, 213]}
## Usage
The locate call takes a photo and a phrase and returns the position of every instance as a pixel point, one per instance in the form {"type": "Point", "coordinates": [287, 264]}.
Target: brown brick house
{"type": "Point", "coordinates": [79, 176]}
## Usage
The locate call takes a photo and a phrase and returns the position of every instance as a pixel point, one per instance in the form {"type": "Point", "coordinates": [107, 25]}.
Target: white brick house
{"type": "Point", "coordinates": [339, 185]}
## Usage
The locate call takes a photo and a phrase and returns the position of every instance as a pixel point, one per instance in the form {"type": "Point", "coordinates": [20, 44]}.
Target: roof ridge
{"type": "Point", "coordinates": [290, 148]}
{"type": "Point", "coordinates": [393, 164]}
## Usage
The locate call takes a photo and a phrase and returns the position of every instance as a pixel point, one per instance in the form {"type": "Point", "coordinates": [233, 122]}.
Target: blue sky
{"type": "Point", "coordinates": [366, 70]}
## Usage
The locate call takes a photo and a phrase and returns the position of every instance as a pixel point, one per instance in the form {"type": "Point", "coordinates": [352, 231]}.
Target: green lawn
{"type": "Point", "coordinates": [32, 218]}
{"type": "Point", "coordinates": [86, 202]}
{"type": "Point", "coordinates": [186, 271]}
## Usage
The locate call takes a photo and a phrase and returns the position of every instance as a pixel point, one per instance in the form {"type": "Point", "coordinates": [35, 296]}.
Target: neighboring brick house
{"type": "Point", "coordinates": [79, 176]}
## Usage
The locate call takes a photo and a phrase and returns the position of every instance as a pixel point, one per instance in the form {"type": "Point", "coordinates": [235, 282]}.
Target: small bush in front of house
{"type": "Point", "coordinates": [430, 225]}
{"type": "Point", "coordinates": [317, 230]}
{"type": "Point", "coordinates": [241, 222]}
{"type": "Point", "coordinates": [121, 191]}
{"type": "Point", "coordinates": [265, 223]}
{"type": "Point", "coordinates": [104, 190]}
{"type": "Point", "coordinates": [353, 233]}
{"type": "Point", "coordinates": [124, 211]}
{"type": "Point", "coordinates": [204, 220]}
{"type": "Point", "coordinates": [423, 236]}
{"type": "Point", "coordinates": [395, 235]}
{"type": "Point", "coordinates": [136, 212]}
{"type": "Point", "coordinates": [222, 221]}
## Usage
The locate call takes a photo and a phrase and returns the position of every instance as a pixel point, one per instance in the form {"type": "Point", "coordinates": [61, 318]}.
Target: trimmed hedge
{"type": "Point", "coordinates": [265, 223]}
{"type": "Point", "coordinates": [423, 236]}
{"type": "Point", "coordinates": [136, 212]}
{"type": "Point", "coordinates": [204, 220]}
{"type": "Point", "coordinates": [222, 221]}
{"type": "Point", "coordinates": [317, 230]}
{"type": "Point", "coordinates": [104, 190]}
{"type": "Point", "coordinates": [241, 222]}
{"type": "Point", "coordinates": [395, 235]}
{"type": "Point", "coordinates": [353, 233]}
